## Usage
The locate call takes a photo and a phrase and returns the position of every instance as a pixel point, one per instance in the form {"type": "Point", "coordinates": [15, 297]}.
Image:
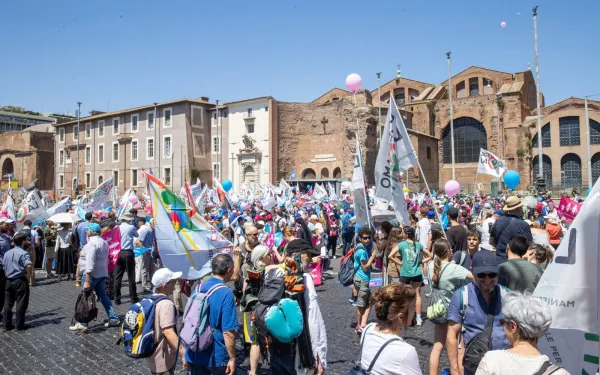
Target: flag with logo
{"type": "Point", "coordinates": [571, 287]}
{"type": "Point", "coordinates": [396, 155]}
{"type": "Point", "coordinates": [222, 194]}
{"type": "Point", "coordinates": [358, 190]}
{"type": "Point", "coordinates": [490, 164]}
{"type": "Point", "coordinates": [101, 194]}
{"type": "Point", "coordinates": [59, 207]}
{"type": "Point", "coordinates": [568, 207]}
{"type": "Point", "coordinates": [31, 208]}
{"type": "Point", "coordinates": [9, 207]}
{"type": "Point", "coordinates": [186, 242]}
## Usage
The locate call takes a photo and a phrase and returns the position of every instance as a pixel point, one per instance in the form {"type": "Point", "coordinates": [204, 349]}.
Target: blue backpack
{"type": "Point", "coordinates": [137, 331]}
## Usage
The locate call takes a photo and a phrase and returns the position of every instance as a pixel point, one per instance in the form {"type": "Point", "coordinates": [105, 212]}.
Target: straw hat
{"type": "Point", "coordinates": [512, 203]}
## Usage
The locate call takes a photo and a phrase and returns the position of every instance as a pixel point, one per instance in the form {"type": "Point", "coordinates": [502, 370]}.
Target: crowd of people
{"type": "Point", "coordinates": [478, 257]}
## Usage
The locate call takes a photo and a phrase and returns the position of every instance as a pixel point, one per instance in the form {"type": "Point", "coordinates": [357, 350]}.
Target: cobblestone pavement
{"type": "Point", "coordinates": [48, 347]}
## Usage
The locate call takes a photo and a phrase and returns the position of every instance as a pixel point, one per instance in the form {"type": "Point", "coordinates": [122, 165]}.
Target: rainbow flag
{"type": "Point", "coordinates": [186, 242]}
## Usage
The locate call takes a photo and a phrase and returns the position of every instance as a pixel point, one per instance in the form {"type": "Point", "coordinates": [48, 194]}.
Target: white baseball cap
{"type": "Point", "coordinates": [163, 276]}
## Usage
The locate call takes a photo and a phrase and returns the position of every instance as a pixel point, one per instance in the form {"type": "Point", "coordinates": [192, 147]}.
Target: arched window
{"type": "Point", "coordinates": [569, 131]}
{"type": "Point", "coordinates": [546, 141]}
{"type": "Point", "coordinates": [594, 132]}
{"type": "Point", "coordinates": [337, 173]}
{"type": "Point", "coordinates": [546, 165]}
{"type": "Point", "coordinates": [309, 174]}
{"type": "Point", "coordinates": [596, 167]}
{"type": "Point", "coordinates": [250, 174]}
{"type": "Point", "coordinates": [469, 138]}
{"type": "Point", "coordinates": [570, 165]}
{"type": "Point", "coordinates": [7, 167]}
{"type": "Point", "coordinates": [324, 173]}
{"type": "Point", "coordinates": [100, 180]}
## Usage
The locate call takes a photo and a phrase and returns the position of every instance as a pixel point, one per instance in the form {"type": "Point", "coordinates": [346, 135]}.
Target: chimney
{"type": "Point", "coordinates": [203, 98]}
{"type": "Point", "coordinates": [94, 113]}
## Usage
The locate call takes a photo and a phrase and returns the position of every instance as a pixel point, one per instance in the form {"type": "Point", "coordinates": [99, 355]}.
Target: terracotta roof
{"type": "Point", "coordinates": [424, 94]}
{"type": "Point", "coordinates": [507, 88]}
{"type": "Point", "coordinates": [41, 128]}
{"type": "Point", "coordinates": [246, 100]}
{"type": "Point", "coordinates": [135, 109]}
{"type": "Point", "coordinates": [571, 101]}
{"type": "Point", "coordinates": [335, 88]}
{"type": "Point", "coordinates": [403, 78]}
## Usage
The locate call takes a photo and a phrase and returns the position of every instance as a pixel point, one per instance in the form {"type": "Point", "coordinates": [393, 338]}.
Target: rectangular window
{"type": "Point", "coordinates": [88, 179]}
{"type": "Point", "coordinates": [88, 130]}
{"type": "Point", "coordinates": [100, 154]}
{"type": "Point", "coordinates": [216, 171]}
{"type": "Point", "coordinates": [167, 146]}
{"type": "Point", "coordinates": [115, 149]}
{"type": "Point", "coordinates": [249, 112]}
{"type": "Point", "coordinates": [250, 128]}
{"type": "Point", "coordinates": [61, 134]}
{"type": "Point", "coordinates": [199, 146]}
{"type": "Point", "coordinates": [134, 123]}
{"type": "Point", "coordinates": [116, 178]}
{"type": "Point", "coordinates": [225, 113]}
{"type": "Point", "coordinates": [134, 150]}
{"type": "Point", "coordinates": [61, 181]}
{"type": "Point", "coordinates": [167, 176]}
{"type": "Point", "coordinates": [167, 116]}
{"type": "Point", "coordinates": [569, 131]}
{"type": "Point", "coordinates": [100, 128]}
{"type": "Point", "coordinates": [197, 116]}
{"type": "Point", "coordinates": [150, 148]}
{"type": "Point", "coordinates": [215, 115]}
{"type": "Point", "coordinates": [150, 120]}
{"type": "Point", "coordinates": [428, 153]}
{"type": "Point", "coordinates": [88, 155]}
{"type": "Point", "coordinates": [474, 86]}
{"type": "Point", "coordinates": [61, 158]}
{"type": "Point", "coordinates": [115, 126]}
{"type": "Point", "coordinates": [75, 132]}
{"type": "Point", "coordinates": [267, 109]}
{"type": "Point", "coordinates": [134, 177]}
{"type": "Point", "coordinates": [215, 144]}
{"type": "Point", "coordinates": [67, 156]}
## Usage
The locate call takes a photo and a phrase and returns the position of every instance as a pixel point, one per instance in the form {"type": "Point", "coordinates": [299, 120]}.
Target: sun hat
{"type": "Point", "coordinates": [512, 203]}
{"type": "Point", "coordinates": [162, 276]}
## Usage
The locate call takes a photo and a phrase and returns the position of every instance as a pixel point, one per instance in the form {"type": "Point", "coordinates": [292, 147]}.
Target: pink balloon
{"type": "Point", "coordinates": [148, 206]}
{"type": "Point", "coordinates": [452, 188]}
{"type": "Point", "coordinates": [133, 199]}
{"type": "Point", "coordinates": [353, 82]}
{"type": "Point", "coordinates": [503, 24]}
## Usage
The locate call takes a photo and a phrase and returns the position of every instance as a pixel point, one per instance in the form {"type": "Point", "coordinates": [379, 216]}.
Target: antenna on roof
{"type": "Point", "coordinates": [528, 66]}
{"type": "Point", "coordinates": [398, 75]}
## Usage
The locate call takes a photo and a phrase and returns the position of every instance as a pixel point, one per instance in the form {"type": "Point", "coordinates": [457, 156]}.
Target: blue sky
{"type": "Point", "coordinates": [119, 54]}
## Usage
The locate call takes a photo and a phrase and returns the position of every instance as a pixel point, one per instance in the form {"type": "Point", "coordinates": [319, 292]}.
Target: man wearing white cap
{"type": "Point", "coordinates": [162, 360]}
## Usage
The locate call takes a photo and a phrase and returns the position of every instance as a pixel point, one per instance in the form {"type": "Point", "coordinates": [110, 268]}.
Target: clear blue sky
{"type": "Point", "coordinates": [130, 53]}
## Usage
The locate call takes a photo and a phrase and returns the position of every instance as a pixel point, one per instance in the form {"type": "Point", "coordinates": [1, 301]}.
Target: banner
{"type": "Point", "coordinates": [32, 208]}
{"type": "Point", "coordinates": [490, 164]}
{"type": "Point", "coordinates": [13, 184]}
{"type": "Point", "coordinates": [396, 154]}
{"type": "Point", "coordinates": [102, 192]}
{"type": "Point", "coordinates": [571, 287]}
{"type": "Point", "coordinates": [568, 207]}
{"type": "Point", "coordinates": [358, 186]}
{"type": "Point", "coordinates": [59, 207]}
{"type": "Point", "coordinates": [113, 238]}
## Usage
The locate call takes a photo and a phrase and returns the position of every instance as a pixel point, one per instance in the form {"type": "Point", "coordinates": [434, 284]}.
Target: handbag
{"type": "Point", "coordinates": [357, 368]}
{"type": "Point", "coordinates": [481, 343]}
{"type": "Point", "coordinates": [437, 309]}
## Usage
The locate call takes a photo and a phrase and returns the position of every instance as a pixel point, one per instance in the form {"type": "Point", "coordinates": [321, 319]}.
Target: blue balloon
{"type": "Point", "coordinates": [293, 175]}
{"type": "Point", "coordinates": [540, 199]}
{"type": "Point", "coordinates": [227, 185]}
{"type": "Point", "coordinates": [512, 179]}
{"type": "Point", "coordinates": [308, 187]}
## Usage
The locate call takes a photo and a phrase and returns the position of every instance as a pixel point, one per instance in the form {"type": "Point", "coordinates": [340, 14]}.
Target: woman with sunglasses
{"type": "Point", "coordinates": [525, 319]}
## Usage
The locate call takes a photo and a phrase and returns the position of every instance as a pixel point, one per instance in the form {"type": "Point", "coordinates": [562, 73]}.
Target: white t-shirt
{"type": "Point", "coordinates": [225, 222]}
{"type": "Point", "coordinates": [485, 234]}
{"type": "Point", "coordinates": [424, 228]}
{"type": "Point", "coordinates": [501, 362]}
{"type": "Point", "coordinates": [398, 358]}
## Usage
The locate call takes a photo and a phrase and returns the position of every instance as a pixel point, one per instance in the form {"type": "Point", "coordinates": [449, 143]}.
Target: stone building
{"type": "Point", "coordinates": [29, 155]}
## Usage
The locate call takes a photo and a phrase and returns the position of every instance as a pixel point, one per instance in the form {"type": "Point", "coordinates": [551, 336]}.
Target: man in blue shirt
{"type": "Point", "coordinates": [126, 260]}
{"type": "Point", "coordinates": [362, 277]}
{"type": "Point", "coordinates": [483, 294]}
{"type": "Point", "coordinates": [220, 357]}
{"type": "Point", "coordinates": [5, 241]}
{"type": "Point", "coordinates": [18, 268]}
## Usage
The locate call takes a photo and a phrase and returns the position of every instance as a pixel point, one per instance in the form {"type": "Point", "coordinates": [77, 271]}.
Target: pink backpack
{"type": "Point", "coordinates": [196, 333]}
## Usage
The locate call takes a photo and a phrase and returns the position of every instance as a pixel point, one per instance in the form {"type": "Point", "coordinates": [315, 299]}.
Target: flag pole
{"type": "Point", "coordinates": [361, 165]}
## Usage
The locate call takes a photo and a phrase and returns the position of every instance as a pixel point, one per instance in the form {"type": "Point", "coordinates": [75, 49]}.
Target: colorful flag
{"type": "Point", "coordinates": [571, 287]}
{"type": "Point", "coordinates": [113, 238]}
{"type": "Point", "coordinates": [568, 207]}
{"type": "Point", "coordinates": [31, 208]}
{"type": "Point", "coordinates": [9, 207]}
{"type": "Point", "coordinates": [186, 242]}
{"type": "Point", "coordinates": [396, 154]}
{"type": "Point", "coordinates": [223, 196]}
{"type": "Point", "coordinates": [490, 164]}
{"type": "Point", "coordinates": [359, 192]}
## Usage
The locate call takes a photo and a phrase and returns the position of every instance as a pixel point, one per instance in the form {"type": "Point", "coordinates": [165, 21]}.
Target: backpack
{"type": "Point", "coordinates": [85, 307]}
{"type": "Point", "coordinates": [196, 333]}
{"type": "Point", "coordinates": [347, 270]}
{"type": "Point", "coordinates": [137, 331]}
{"type": "Point", "coordinates": [482, 342]}
{"type": "Point", "coordinates": [437, 310]}
{"type": "Point", "coordinates": [348, 228]}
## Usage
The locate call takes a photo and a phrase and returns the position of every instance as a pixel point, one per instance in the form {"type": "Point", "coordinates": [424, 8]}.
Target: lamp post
{"type": "Point", "coordinates": [588, 141]}
{"type": "Point", "coordinates": [451, 116]}
{"type": "Point", "coordinates": [219, 140]}
{"type": "Point", "coordinates": [541, 183]}
{"type": "Point", "coordinates": [77, 166]}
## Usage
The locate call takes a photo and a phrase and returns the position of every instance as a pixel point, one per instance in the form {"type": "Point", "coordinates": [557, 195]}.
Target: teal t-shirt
{"type": "Point", "coordinates": [410, 252]}
{"type": "Point", "coordinates": [360, 254]}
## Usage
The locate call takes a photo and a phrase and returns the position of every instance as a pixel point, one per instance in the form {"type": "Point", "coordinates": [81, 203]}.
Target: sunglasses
{"type": "Point", "coordinates": [365, 238]}
{"type": "Point", "coordinates": [252, 234]}
{"type": "Point", "coordinates": [488, 275]}
{"type": "Point", "coordinates": [504, 321]}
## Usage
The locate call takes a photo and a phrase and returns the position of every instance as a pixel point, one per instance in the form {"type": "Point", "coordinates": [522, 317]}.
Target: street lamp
{"type": "Point", "coordinates": [541, 183]}
{"type": "Point", "coordinates": [77, 166]}
{"type": "Point", "coordinates": [451, 116]}
{"type": "Point", "coordinates": [588, 141]}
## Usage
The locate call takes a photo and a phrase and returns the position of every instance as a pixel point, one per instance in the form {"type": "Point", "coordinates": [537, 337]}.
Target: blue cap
{"type": "Point", "coordinates": [94, 227]}
{"type": "Point", "coordinates": [431, 214]}
{"type": "Point", "coordinates": [484, 261]}
{"type": "Point", "coordinates": [499, 212]}
{"type": "Point", "coordinates": [477, 206]}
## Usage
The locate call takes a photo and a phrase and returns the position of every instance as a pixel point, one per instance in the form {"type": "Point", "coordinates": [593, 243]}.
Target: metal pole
{"type": "Point", "coordinates": [587, 144]}
{"type": "Point", "coordinates": [541, 183]}
{"type": "Point", "coordinates": [181, 176]}
{"type": "Point", "coordinates": [219, 140]}
{"type": "Point", "coordinates": [451, 116]}
{"type": "Point", "coordinates": [156, 141]}
{"type": "Point", "coordinates": [77, 166]}
{"type": "Point", "coordinates": [379, 104]}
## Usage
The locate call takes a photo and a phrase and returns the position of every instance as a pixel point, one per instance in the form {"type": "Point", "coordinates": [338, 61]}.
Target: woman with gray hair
{"type": "Point", "coordinates": [525, 318]}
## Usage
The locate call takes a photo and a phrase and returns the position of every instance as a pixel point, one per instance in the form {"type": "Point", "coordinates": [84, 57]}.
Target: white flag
{"type": "Point", "coordinates": [31, 208]}
{"type": "Point", "coordinates": [396, 154]}
{"type": "Point", "coordinates": [571, 287]}
{"type": "Point", "coordinates": [9, 207]}
{"type": "Point", "coordinates": [361, 209]}
{"type": "Point", "coordinates": [59, 207]}
{"type": "Point", "coordinates": [332, 195]}
{"type": "Point", "coordinates": [490, 164]}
